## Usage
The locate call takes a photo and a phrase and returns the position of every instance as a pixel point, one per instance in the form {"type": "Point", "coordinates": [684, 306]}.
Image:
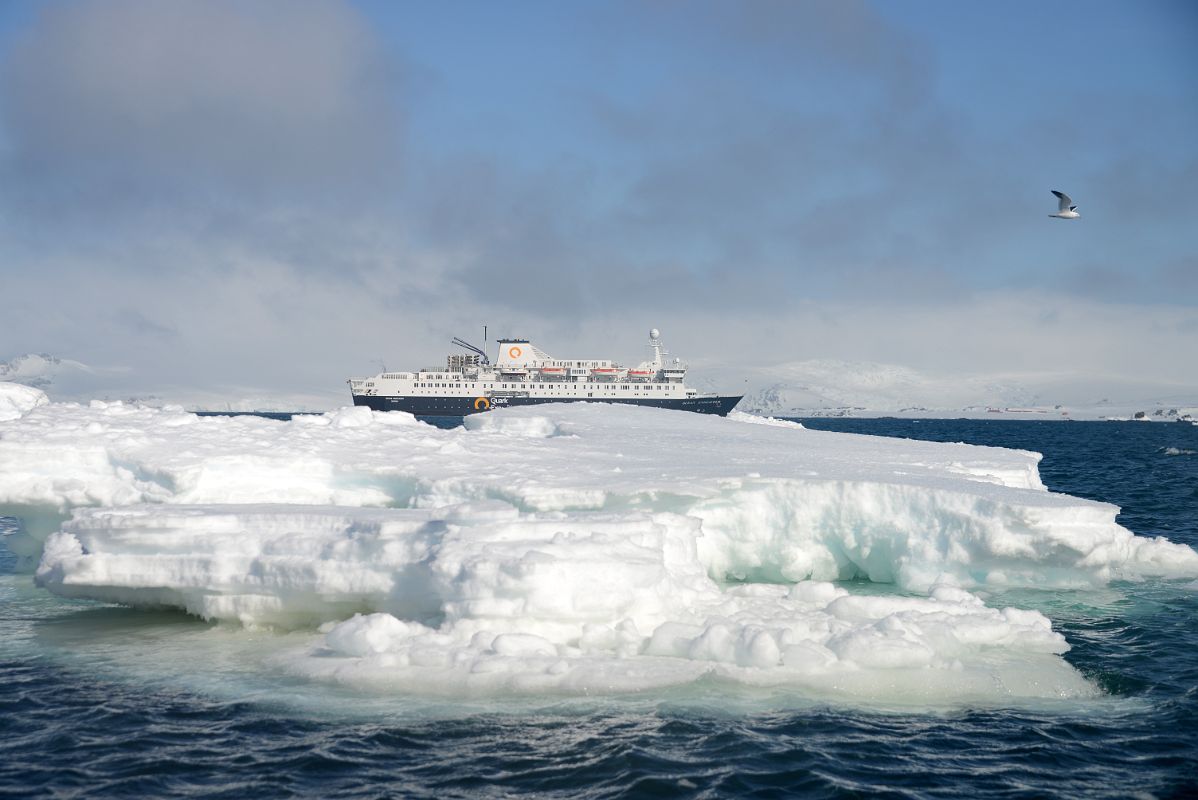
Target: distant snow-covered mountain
{"type": "Point", "coordinates": [825, 387]}
{"type": "Point", "coordinates": [39, 370]}
{"type": "Point", "coordinates": [64, 379]}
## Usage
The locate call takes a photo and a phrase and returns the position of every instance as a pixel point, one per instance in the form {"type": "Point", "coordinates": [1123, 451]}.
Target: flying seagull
{"type": "Point", "coordinates": [1065, 207]}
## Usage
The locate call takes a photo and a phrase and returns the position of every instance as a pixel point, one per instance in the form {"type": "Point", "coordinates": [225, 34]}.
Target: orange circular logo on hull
{"type": "Point", "coordinates": [481, 404]}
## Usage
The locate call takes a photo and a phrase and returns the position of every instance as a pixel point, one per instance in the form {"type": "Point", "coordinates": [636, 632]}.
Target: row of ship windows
{"type": "Point", "coordinates": [578, 364]}
{"type": "Point", "coordinates": [556, 387]}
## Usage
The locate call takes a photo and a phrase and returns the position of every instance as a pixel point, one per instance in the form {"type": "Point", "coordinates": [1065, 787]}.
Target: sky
{"type": "Point", "coordinates": [234, 200]}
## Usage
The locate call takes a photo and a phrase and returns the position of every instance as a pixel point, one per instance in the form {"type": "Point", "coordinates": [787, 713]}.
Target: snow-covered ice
{"type": "Point", "coordinates": [17, 400]}
{"type": "Point", "coordinates": [572, 548]}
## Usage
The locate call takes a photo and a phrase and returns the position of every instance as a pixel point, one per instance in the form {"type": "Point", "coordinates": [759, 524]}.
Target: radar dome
{"type": "Point", "coordinates": [654, 333]}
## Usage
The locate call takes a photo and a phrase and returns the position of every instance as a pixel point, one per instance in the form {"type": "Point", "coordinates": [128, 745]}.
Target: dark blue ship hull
{"type": "Point", "coordinates": [461, 406]}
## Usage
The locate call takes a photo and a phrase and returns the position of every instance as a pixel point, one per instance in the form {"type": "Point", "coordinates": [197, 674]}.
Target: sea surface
{"type": "Point", "coordinates": [102, 701]}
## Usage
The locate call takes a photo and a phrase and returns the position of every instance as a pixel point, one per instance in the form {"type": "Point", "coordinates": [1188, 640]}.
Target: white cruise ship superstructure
{"type": "Point", "coordinates": [523, 374]}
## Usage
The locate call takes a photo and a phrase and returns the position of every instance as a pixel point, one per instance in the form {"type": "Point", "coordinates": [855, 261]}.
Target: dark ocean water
{"type": "Point", "coordinates": [92, 704]}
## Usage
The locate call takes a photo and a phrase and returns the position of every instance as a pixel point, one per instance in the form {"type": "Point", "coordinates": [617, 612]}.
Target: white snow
{"type": "Point", "coordinates": [574, 548]}
{"type": "Point", "coordinates": [17, 400]}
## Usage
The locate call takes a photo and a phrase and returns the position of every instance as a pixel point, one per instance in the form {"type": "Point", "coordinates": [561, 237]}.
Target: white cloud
{"type": "Point", "coordinates": [127, 104]}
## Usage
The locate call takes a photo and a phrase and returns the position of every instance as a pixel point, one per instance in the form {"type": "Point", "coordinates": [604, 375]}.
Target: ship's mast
{"type": "Point", "coordinates": [655, 343]}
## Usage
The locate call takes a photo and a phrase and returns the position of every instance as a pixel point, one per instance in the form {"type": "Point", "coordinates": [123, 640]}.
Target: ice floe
{"type": "Point", "coordinates": [16, 400]}
{"type": "Point", "coordinates": [573, 548]}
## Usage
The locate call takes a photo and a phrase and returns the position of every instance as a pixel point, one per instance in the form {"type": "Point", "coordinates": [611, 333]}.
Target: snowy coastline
{"type": "Point", "coordinates": [813, 388]}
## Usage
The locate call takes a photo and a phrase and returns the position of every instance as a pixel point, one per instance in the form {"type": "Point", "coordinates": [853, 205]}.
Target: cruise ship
{"type": "Point", "coordinates": [522, 374]}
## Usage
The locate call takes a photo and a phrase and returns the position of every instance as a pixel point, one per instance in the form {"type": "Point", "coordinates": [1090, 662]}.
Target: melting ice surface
{"type": "Point", "coordinates": [572, 549]}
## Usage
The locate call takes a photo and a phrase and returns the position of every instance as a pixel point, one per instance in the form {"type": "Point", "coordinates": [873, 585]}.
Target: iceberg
{"type": "Point", "coordinates": [574, 548]}
{"type": "Point", "coordinates": [16, 400]}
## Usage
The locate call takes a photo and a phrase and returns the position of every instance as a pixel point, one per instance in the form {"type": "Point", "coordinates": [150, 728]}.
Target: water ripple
{"type": "Point", "coordinates": [71, 730]}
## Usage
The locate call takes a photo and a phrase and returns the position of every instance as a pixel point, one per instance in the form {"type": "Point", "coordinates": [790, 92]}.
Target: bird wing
{"type": "Point", "coordinates": [1064, 201]}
